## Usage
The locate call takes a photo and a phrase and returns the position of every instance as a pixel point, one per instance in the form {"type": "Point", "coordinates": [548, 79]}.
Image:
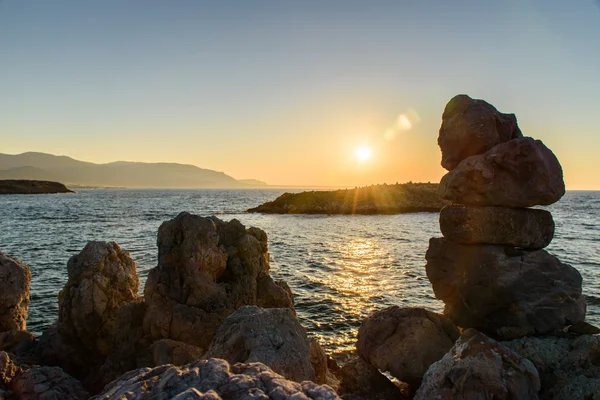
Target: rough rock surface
{"type": "Point", "coordinates": [17, 342]}
{"type": "Point", "coordinates": [206, 270]}
{"type": "Point", "coordinates": [270, 336]}
{"type": "Point", "coordinates": [478, 367]}
{"type": "Point", "coordinates": [503, 291]}
{"type": "Point", "coordinates": [8, 370]}
{"type": "Point", "coordinates": [520, 227]}
{"type": "Point", "coordinates": [470, 127]}
{"type": "Point", "coordinates": [519, 173]}
{"type": "Point", "coordinates": [14, 296]}
{"type": "Point", "coordinates": [359, 380]}
{"type": "Point", "coordinates": [212, 379]}
{"type": "Point", "coordinates": [569, 367]}
{"type": "Point", "coordinates": [167, 351]}
{"type": "Point", "coordinates": [47, 383]}
{"type": "Point", "coordinates": [405, 341]}
{"type": "Point", "coordinates": [319, 361]}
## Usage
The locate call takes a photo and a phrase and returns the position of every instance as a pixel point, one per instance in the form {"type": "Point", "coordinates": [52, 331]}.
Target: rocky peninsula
{"type": "Point", "coordinates": [376, 199]}
{"type": "Point", "coordinates": [213, 324]}
{"type": "Point", "coordinates": [21, 186]}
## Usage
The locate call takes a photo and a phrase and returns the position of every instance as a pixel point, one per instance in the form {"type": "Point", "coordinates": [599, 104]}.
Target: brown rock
{"type": "Point", "coordinates": [520, 227]}
{"type": "Point", "coordinates": [318, 360]}
{"type": "Point", "coordinates": [271, 336]}
{"type": "Point", "coordinates": [583, 328]}
{"type": "Point", "coordinates": [14, 296]}
{"type": "Point", "coordinates": [47, 383]}
{"type": "Point", "coordinates": [478, 367]}
{"type": "Point", "coordinates": [405, 341]}
{"type": "Point", "coordinates": [359, 380]}
{"type": "Point", "coordinates": [167, 351]}
{"type": "Point", "coordinates": [504, 291]}
{"type": "Point", "coordinates": [8, 370]}
{"type": "Point", "coordinates": [17, 341]}
{"type": "Point", "coordinates": [519, 173]}
{"type": "Point", "coordinates": [471, 127]}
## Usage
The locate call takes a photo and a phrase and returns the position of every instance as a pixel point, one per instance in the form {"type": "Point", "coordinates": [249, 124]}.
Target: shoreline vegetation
{"type": "Point", "coordinates": [22, 186]}
{"type": "Point", "coordinates": [375, 199]}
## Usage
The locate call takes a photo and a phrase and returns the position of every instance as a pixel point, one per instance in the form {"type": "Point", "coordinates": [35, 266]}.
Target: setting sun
{"type": "Point", "coordinates": [363, 153]}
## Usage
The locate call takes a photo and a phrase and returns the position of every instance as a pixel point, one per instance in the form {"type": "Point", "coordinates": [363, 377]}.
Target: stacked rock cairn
{"type": "Point", "coordinates": [490, 268]}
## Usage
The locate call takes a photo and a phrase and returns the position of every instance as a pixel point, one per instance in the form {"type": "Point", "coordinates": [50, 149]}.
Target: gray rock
{"type": "Point", "coordinates": [520, 227]}
{"type": "Point", "coordinates": [212, 379]}
{"type": "Point", "coordinates": [478, 367]}
{"type": "Point", "coordinates": [47, 383]}
{"type": "Point", "coordinates": [270, 336]}
{"type": "Point", "coordinates": [569, 367]}
{"type": "Point", "coordinates": [518, 173]}
{"type": "Point", "coordinates": [14, 296]}
{"type": "Point", "coordinates": [207, 269]}
{"type": "Point", "coordinates": [471, 127]}
{"type": "Point", "coordinates": [503, 291]}
{"type": "Point", "coordinates": [405, 341]}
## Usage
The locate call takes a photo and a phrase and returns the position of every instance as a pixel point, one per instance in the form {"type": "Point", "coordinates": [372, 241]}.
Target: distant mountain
{"type": "Point", "coordinates": [41, 166]}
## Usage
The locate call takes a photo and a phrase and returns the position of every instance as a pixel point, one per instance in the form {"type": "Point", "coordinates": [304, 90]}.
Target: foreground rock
{"type": "Point", "coordinates": [376, 199]}
{"type": "Point", "coordinates": [503, 291]}
{"type": "Point", "coordinates": [15, 278]}
{"type": "Point", "coordinates": [359, 380]}
{"type": "Point", "coordinates": [569, 367]}
{"type": "Point", "coordinates": [405, 341]}
{"type": "Point", "coordinates": [471, 127]}
{"type": "Point", "coordinates": [273, 337]}
{"type": "Point", "coordinates": [519, 227]}
{"type": "Point", "coordinates": [212, 379]}
{"type": "Point", "coordinates": [478, 367]}
{"type": "Point", "coordinates": [16, 186]}
{"type": "Point", "coordinates": [47, 383]}
{"type": "Point", "coordinates": [519, 173]}
{"type": "Point", "coordinates": [207, 269]}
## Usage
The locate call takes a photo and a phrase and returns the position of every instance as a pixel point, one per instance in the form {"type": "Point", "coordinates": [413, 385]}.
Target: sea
{"type": "Point", "coordinates": [341, 268]}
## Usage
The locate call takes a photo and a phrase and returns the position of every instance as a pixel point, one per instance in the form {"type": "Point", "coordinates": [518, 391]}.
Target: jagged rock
{"type": "Point", "coordinates": [47, 383]}
{"type": "Point", "coordinates": [405, 341]}
{"type": "Point", "coordinates": [478, 367]}
{"type": "Point", "coordinates": [8, 370]}
{"type": "Point", "coordinates": [16, 341]}
{"type": "Point", "coordinates": [14, 296]}
{"type": "Point", "coordinates": [212, 379]}
{"type": "Point", "coordinates": [207, 269]}
{"type": "Point", "coordinates": [471, 127]}
{"type": "Point", "coordinates": [569, 368]}
{"type": "Point", "coordinates": [359, 380]}
{"type": "Point", "coordinates": [519, 173]}
{"type": "Point", "coordinates": [167, 351]}
{"type": "Point", "coordinates": [520, 227]}
{"type": "Point", "coordinates": [318, 360]}
{"type": "Point", "coordinates": [271, 336]}
{"type": "Point", "coordinates": [503, 291]}
{"type": "Point", "coordinates": [102, 278]}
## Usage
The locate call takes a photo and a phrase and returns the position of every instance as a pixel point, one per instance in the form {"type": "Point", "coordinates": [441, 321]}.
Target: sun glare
{"type": "Point", "coordinates": [363, 153]}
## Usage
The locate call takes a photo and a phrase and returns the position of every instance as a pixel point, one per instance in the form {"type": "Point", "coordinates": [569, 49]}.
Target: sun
{"type": "Point", "coordinates": [363, 153]}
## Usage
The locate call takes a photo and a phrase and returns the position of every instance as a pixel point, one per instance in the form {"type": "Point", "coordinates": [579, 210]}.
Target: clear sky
{"type": "Point", "coordinates": [285, 91]}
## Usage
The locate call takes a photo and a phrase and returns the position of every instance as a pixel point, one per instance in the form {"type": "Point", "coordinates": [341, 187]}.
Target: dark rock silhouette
{"type": "Point", "coordinates": [22, 186]}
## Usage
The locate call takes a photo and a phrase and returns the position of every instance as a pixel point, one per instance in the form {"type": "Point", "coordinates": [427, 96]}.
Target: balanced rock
{"type": "Point", "coordinates": [569, 367]}
{"type": "Point", "coordinates": [206, 270]}
{"type": "Point", "coordinates": [405, 341]}
{"type": "Point", "coordinates": [518, 173]}
{"type": "Point", "coordinates": [47, 383]}
{"type": "Point", "coordinates": [212, 379]}
{"type": "Point", "coordinates": [503, 291]}
{"type": "Point", "coordinates": [270, 336]}
{"type": "Point", "coordinates": [102, 278]}
{"type": "Point", "coordinates": [478, 367]}
{"type": "Point", "coordinates": [14, 294]}
{"type": "Point", "coordinates": [519, 227]}
{"type": "Point", "coordinates": [471, 127]}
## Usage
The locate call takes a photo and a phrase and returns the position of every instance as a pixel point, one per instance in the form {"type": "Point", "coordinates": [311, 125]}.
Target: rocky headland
{"type": "Point", "coordinates": [213, 324]}
{"type": "Point", "coordinates": [376, 199]}
{"type": "Point", "coordinates": [21, 186]}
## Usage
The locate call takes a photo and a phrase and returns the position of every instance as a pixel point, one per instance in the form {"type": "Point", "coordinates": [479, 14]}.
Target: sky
{"type": "Point", "coordinates": [287, 91]}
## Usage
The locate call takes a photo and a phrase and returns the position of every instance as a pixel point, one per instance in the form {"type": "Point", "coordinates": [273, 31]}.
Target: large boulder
{"type": "Point", "coordinates": [478, 367]}
{"type": "Point", "coordinates": [504, 291]}
{"type": "Point", "coordinates": [388, 339]}
{"type": "Point", "coordinates": [15, 278]}
{"type": "Point", "coordinates": [470, 127]}
{"type": "Point", "coordinates": [47, 383]}
{"type": "Point", "coordinates": [270, 336]}
{"type": "Point", "coordinates": [520, 227]}
{"type": "Point", "coordinates": [569, 367]}
{"type": "Point", "coordinates": [518, 173]}
{"type": "Point", "coordinates": [212, 379]}
{"type": "Point", "coordinates": [102, 278]}
{"type": "Point", "coordinates": [206, 270]}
